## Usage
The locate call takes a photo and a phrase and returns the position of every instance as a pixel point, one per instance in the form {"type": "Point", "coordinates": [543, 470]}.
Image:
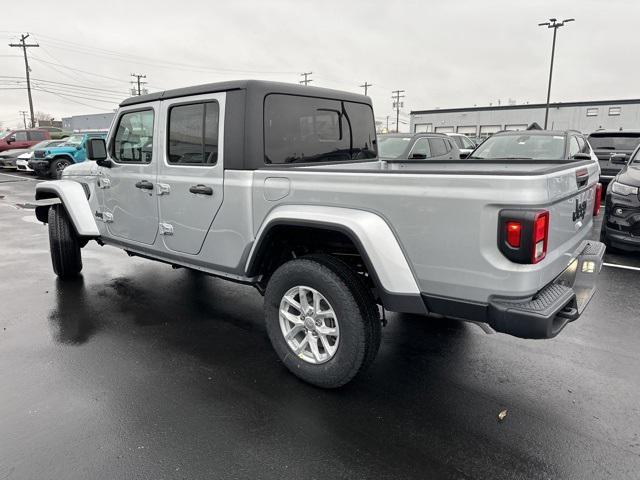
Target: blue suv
{"type": "Point", "coordinates": [52, 161]}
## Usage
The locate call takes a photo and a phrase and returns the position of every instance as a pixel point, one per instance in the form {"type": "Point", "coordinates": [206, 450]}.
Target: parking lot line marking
{"type": "Point", "coordinates": [17, 176]}
{"type": "Point", "coordinates": [615, 265]}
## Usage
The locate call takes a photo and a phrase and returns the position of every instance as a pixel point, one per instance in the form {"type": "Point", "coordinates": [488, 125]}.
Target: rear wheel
{"type": "Point", "coordinates": [64, 244]}
{"type": "Point", "coordinates": [322, 320]}
{"type": "Point", "coordinates": [57, 166]}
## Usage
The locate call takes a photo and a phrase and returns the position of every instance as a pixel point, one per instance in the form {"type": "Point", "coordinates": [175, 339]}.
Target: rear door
{"type": "Point", "coordinates": [191, 173]}
{"type": "Point", "coordinates": [441, 148]}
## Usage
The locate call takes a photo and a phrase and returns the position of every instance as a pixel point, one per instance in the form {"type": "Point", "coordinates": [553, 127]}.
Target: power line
{"type": "Point", "coordinates": [24, 47]}
{"type": "Point", "coordinates": [306, 80]}
{"type": "Point", "coordinates": [397, 96]}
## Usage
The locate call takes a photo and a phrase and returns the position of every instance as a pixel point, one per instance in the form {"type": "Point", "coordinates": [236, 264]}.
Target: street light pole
{"type": "Point", "coordinates": [552, 23]}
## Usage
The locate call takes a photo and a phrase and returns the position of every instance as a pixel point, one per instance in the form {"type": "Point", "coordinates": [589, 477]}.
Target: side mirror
{"type": "Point", "coordinates": [11, 139]}
{"type": "Point", "coordinates": [582, 156]}
{"type": "Point", "coordinates": [418, 156]}
{"type": "Point", "coordinates": [618, 159]}
{"type": "Point", "coordinates": [97, 150]}
{"type": "Point", "coordinates": [464, 154]}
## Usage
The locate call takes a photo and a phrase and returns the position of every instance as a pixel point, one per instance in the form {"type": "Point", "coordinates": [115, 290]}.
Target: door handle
{"type": "Point", "coordinates": [145, 185]}
{"type": "Point", "coordinates": [201, 190]}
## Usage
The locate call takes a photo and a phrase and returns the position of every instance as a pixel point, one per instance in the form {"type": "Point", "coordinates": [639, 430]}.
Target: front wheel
{"type": "Point", "coordinates": [322, 320]}
{"type": "Point", "coordinates": [57, 166]}
{"type": "Point", "coordinates": [64, 244]}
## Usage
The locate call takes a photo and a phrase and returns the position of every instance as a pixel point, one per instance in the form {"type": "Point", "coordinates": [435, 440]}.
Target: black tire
{"type": "Point", "coordinates": [57, 166]}
{"type": "Point", "coordinates": [356, 310]}
{"type": "Point", "coordinates": [64, 244]}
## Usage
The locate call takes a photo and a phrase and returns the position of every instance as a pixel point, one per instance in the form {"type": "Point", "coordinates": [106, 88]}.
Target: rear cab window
{"type": "Point", "coordinates": [301, 129]}
{"type": "Point", "coordinates": [614, 140]}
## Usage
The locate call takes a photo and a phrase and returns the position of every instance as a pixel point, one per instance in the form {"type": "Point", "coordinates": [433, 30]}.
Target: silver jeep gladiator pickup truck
{"type": "Point", "coordinates": [280, 186]}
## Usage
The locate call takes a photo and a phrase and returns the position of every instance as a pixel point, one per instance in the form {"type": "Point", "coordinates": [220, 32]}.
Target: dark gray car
{"type": "Point", "coordinates": [418, 146]}
{"type": "Point", "coordinates": [606, 143]}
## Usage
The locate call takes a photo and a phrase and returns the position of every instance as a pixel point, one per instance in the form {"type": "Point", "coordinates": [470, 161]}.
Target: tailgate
{"type": "Point", "coordinates": [572, 195]}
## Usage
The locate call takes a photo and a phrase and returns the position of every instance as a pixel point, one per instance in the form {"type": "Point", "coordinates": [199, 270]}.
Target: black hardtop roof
{"type": "Point", "coordinates": [612, 132]}
{"type": "Point", "coordinates": [258, 86]}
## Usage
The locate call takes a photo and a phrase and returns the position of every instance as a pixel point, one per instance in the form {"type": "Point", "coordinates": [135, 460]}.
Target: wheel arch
{"type": "Point", "coordinates": [369, 234]}
{"type": "Point", "coordinates": [74, 198]}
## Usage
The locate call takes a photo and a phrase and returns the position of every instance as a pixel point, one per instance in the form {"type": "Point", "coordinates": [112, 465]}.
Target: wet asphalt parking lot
{"type": "Point", "coordinates": [140, 371]}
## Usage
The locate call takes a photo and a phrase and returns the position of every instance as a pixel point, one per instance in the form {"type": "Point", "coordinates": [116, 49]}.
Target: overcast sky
{"type": "Point", "coordinates": [452, 53]}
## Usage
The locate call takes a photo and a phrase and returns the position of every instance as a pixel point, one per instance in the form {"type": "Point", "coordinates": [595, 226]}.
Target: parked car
{"type": "Point", "coordinates": [51, 161]}
{"type": "Point", "coordinates": [8, 157]}
{"type": "Point", "coordinates": [417, 146]}
{"type": "Point", "coordinates": [15, 139]}
{"type": "Point", "coordinates": [279, 186]}
{"type": "Point", "coordinates": [621, 224]}
{"type": "Point", "coordinates": [535, 145]}
{"type": "Point", "coordinates": [464, 143]}
{"type": "Point", "coordinates": [607, 143]}
{"type": "Point", "coordinates": [56, 132]}
{"type": "Point", "coordinates": [22, 161]}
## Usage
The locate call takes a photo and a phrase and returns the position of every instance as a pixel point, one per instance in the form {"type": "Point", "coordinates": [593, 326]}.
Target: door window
{"type": "Point", "coordinates": [36, 135]}
{"type": "Point", "coordinates": [467, 143]}
{"type": "Point", "coordinates": [438, 147]}
{"type": "Point", "coordinates": [573, 147]}
{"type": "Point", "coordinates": [21, 136]}
{"type": "Point", "coordinates": [193, 134]}
{"type": "Point", "coordinates": [421, 147]}
{"type": "Point", "coordinates": [133, 142]}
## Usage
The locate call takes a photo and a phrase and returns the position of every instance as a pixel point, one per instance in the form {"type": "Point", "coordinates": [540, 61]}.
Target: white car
{"type": "Point", "coordinates": [465, 144]}
{"type": "Point", "coordinates": [22, 163]}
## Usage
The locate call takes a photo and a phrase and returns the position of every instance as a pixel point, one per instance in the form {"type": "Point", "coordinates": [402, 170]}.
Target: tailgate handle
{"type": "Point", "coordinates": [582, 177]}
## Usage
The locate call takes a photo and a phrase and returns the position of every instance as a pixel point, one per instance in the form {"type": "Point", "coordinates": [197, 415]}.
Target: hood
{"type": "Point", "coordinates": [630, 176]}
{"type": "Point", "coordinates": [14, 152]}
{"type": "Point", "coordinates": [81, 169]}
{"type": "Point", "coordinates": [57, 150]}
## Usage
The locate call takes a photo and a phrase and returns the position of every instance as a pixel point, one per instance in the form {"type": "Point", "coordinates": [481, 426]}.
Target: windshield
{"type": "Point", "coordinates": [533, 147]}
{"type": "Point", "coordinates": [73, 140]}
{"type": "Point", "coordinates": [614, 141]}
{"type": "Point", "coordinates": [392, 147]}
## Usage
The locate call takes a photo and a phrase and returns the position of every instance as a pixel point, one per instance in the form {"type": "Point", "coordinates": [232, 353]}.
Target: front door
{"type": "Point", "coordinates": [128, 201]}
{"type": "Point", "coordinates": [190, 175]}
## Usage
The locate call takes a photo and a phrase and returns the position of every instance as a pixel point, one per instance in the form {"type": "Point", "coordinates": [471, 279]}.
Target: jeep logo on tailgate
{"type": "Point", "coordinates": [580, 211]}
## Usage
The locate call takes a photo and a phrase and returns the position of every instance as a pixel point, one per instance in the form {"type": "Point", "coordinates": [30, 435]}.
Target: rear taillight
{"type": "Point", "coordinates": [540, 236]}
{"type": "Point", "coordinates": [523, 235]}
{"type": "Point", "coordinates": [597, 200]}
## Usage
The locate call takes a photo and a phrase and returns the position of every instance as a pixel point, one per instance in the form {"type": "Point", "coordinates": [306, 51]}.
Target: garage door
{"type": "Point", "coordinates": [468, 130]}
{"type": "Point", "coordinates": [445, 130]}
{"type": "Point", "coordinates": [515, 127]}
{"type": "Point", "coordinates": [423, 127]}
{"type": "Point", "coordinates": [488, 130]}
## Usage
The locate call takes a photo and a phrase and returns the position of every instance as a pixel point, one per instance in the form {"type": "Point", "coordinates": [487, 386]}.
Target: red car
{"type": "Point", "coordinates": [22, 138]}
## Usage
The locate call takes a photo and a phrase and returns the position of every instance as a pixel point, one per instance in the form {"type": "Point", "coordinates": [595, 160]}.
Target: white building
{"type": "Point", "coordinates": [94, 121]}
{"type": "Point", "coordinates": [484, 121]}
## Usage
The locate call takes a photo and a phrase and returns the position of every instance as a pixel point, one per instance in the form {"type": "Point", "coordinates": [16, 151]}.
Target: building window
{"type": "Point", "coordinates": [515, 127]}
{"type": "Point", "coordinates": [422, 127]}
{"type": "Point", "coordinates": [614, 111]}
{"type": "Point", "coordinates": [445, 130]}
{"type": "Point", "coordinates": [487, 130]}
{"type": "Point", "coordinates": [592, 112]}
{"type": "Point", "coordinates": [469, 130]}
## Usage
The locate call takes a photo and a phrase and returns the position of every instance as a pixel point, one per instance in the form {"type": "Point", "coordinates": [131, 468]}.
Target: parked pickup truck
{"type": "Point", "coordinates": [279, 186]}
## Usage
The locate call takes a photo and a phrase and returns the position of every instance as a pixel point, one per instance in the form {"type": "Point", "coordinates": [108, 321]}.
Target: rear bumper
{"type": "Point", "coordinates": [546, 313]}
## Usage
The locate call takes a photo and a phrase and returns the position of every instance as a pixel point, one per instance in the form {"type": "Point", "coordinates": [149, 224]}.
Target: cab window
{"type": "Point", "coordinates": [421, 149]}
{"type": "Point", "coordinates": [573, 147]}
{"type": "Point", "coordinates": [21, 136]}
{"type": "Point", "coordinates": [133, 141]}
{"type": "Point", "coordinates": [37, 135]}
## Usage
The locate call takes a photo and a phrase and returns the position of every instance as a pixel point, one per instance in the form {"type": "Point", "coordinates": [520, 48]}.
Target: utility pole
{"type": "Point", "coordinates": [24, 117]}
{"type": "Point", "coordinates": [366, 86]}
{"type": "Point", "coordinates": [23, 45]}
{"type": "Point", "coordinates": [387, 123]}
{"type": "Point", "coordinates": [552, 23]}
{"type": "Point", "coordinates": [306, 80]}
{"type": "Point", "coordinates": [138, 82]}
{"type": "Point", "coordinates": [397, 96]}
